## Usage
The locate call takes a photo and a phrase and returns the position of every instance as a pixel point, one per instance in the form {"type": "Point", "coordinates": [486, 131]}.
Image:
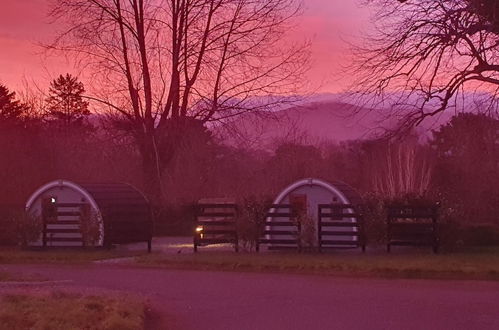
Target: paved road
{"type": "Point", "coordinates": [226, 300]}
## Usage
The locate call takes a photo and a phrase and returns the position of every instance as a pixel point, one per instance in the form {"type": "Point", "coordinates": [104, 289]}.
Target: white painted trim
{"type": "Point", "coordinates": [310, 182]}
{"type": "Point", "coordinates": [74, 186]}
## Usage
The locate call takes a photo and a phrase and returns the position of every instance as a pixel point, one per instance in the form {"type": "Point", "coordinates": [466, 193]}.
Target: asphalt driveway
{"type": "Point", "coordinates": [232, 300]}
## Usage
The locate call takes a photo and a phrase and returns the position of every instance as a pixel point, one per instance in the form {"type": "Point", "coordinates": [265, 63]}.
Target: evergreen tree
{"type": "Point", "coordinates": [11, 110]}
{"type": "Point", "coordinates": [65, 101]}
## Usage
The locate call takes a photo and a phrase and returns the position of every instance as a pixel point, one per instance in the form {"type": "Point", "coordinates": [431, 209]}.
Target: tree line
{"type": "Point", "coordinates": [457, 165]}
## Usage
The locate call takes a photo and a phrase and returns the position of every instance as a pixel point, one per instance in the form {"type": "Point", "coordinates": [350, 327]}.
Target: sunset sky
{"type": "Point", "coordinates": [24, 24]}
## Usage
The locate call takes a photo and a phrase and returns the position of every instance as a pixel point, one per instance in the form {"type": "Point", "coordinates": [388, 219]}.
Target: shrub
{"type": "Point", "coordinates": [29, 227]}
{"type": "Point", "coordinates": [308, 230]}
{"type": "Point", "coordinates": [455, 235]}
{"type": "Point", "coordinates": [250, 221]}
{"type": "Point", "coordinates": [374, 217]}
{"type": "Point", "coordinates": [90, 227]}
{"type": "Point", "coordinates": [480, 235]}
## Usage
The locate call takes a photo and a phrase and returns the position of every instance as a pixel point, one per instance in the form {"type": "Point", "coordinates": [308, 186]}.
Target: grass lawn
{"type": "Point", "coordinates": [12, 255]}
{"type": "Point", "coordinates": [481, 264]}
{"type": "Point", "coordinates": [59, 310]}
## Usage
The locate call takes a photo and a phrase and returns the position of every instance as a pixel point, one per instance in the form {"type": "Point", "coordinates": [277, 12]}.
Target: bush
{"type": "Point", "coordinates": [374, 216]}
{"type": "Point", "coordinates": [308, 231]}
{"type": "Point", "coordinates": [19, 227]}
{"type": "Point", "coordinates": [29, 227]}
{"type": "Point", "coordinates": [90, 225]}
{"type": "Point", "coordinates": [455, 235]}
{"type": "Point", "coordinates": [250, 220]}
{"type": "Point", "coordinates": [411, 200]}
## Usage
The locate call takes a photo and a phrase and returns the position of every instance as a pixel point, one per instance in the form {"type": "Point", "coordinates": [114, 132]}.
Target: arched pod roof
{"type": "Point", "coordinates": [60, 183]}
{"type": "Point", "coordinates": [345, 192]}
{"type": "Point", "coordinates": [102, 196]}
{"type": "Point", "coordinates": [118, 199]}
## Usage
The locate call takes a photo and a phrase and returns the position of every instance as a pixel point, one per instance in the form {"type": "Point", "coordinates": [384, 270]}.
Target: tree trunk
{"type": "Point", "coordinates": [151, 169]}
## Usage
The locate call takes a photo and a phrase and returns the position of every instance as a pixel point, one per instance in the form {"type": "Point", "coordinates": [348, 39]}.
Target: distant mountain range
{"type": "Point", "coordinates": [323, 119]}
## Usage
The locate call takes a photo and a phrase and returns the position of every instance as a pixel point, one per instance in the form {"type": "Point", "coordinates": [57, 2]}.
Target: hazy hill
{"type": "Point", "coordinates": [317, 121]}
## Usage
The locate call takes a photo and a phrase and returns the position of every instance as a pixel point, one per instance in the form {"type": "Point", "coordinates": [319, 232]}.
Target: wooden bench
{"type": "Point", "coordinates": [283, 232]}
{"type": "Point", "coordinates": [216, 224]}
{"type": "Point", "coordinates": [335, 222]}
{"type": "Point", "coordinates": [412, 226]}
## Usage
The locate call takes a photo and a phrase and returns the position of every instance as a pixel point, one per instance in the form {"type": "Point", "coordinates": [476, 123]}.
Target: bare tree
{"type": "Point", "coordinates": [425, 56]}
{"type": "Point", "coordinates": [399, 168]}
{"type": "Point", "coordinates": [163, 65]}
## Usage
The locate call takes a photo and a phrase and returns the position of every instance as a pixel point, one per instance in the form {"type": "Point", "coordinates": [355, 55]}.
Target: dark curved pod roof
{"type": "Point", "coordinates": [353, 195]}
{"type": "Point", "coordinates": [125, 211]}
{"type": "Point", "coordinates": [118, 199]}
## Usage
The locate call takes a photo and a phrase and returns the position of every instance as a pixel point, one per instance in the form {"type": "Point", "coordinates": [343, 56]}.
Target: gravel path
{"type": "Point", "coordinates": [230, 300]}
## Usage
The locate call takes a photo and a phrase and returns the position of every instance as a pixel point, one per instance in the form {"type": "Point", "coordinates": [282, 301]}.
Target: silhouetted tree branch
{"type": "Point", "coordinates": [425, 54]}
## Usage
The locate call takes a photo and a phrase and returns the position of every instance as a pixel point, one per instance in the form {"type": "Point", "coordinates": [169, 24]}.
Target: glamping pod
{"type": "Point", "coordinates": [317, 199]}
{"type": "Point", "coordinates": [99, 214]}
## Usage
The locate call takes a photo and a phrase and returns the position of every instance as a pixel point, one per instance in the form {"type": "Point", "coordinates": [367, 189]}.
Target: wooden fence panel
{"type": "Point", "coordinates": [412, 226]}
{"type": "Point", "coordinates": [216, 224]}
{"type": "Point", "coordinates": [281, 234]}
{"type": "Point", "coordinates": [337, 222]}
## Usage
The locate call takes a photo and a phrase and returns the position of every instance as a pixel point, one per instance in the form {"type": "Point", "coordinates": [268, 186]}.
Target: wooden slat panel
{"type": "Point", "coordinates": [280, 223]}
{"type": "Point", "coordinates": [339, 242]}
{"type": "Point", "coordinates": [340, 233]}
{"type": "Point", "coordinates": [63, 239]}
{"type": "Point", "coordinates": [68, 214]}
{"type": "Point", "coordinates": [277, 241]}
{"type": "Point", "coordinates": [215, 223]}
{"type": "Point", "coordinates": [341, 246]}
{"type": "Point", "coordinates": [340, 215]}
{"type": "Point", "coordinates": [219, 231]}
{"type": "Point", "coordinates": [63, 231]}
{"type": "Point", "coordinates": [280, 232]}
{"type": "Point", "coordinates": [340, 224]}
{"type": "Point", "coordinates": [63, 222]}
{"type": "Point", "coordinates": [69, 204]}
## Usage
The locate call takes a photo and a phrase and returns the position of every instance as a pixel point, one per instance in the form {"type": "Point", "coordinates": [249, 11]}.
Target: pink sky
{"type": "Point", "coordinates": [23, 24]}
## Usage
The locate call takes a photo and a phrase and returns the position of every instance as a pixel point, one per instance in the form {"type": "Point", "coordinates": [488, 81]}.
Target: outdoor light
{"type": "Point", "coordinates": [52, 200]}
{"type": "Point", "coordinates": [199, 231]}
